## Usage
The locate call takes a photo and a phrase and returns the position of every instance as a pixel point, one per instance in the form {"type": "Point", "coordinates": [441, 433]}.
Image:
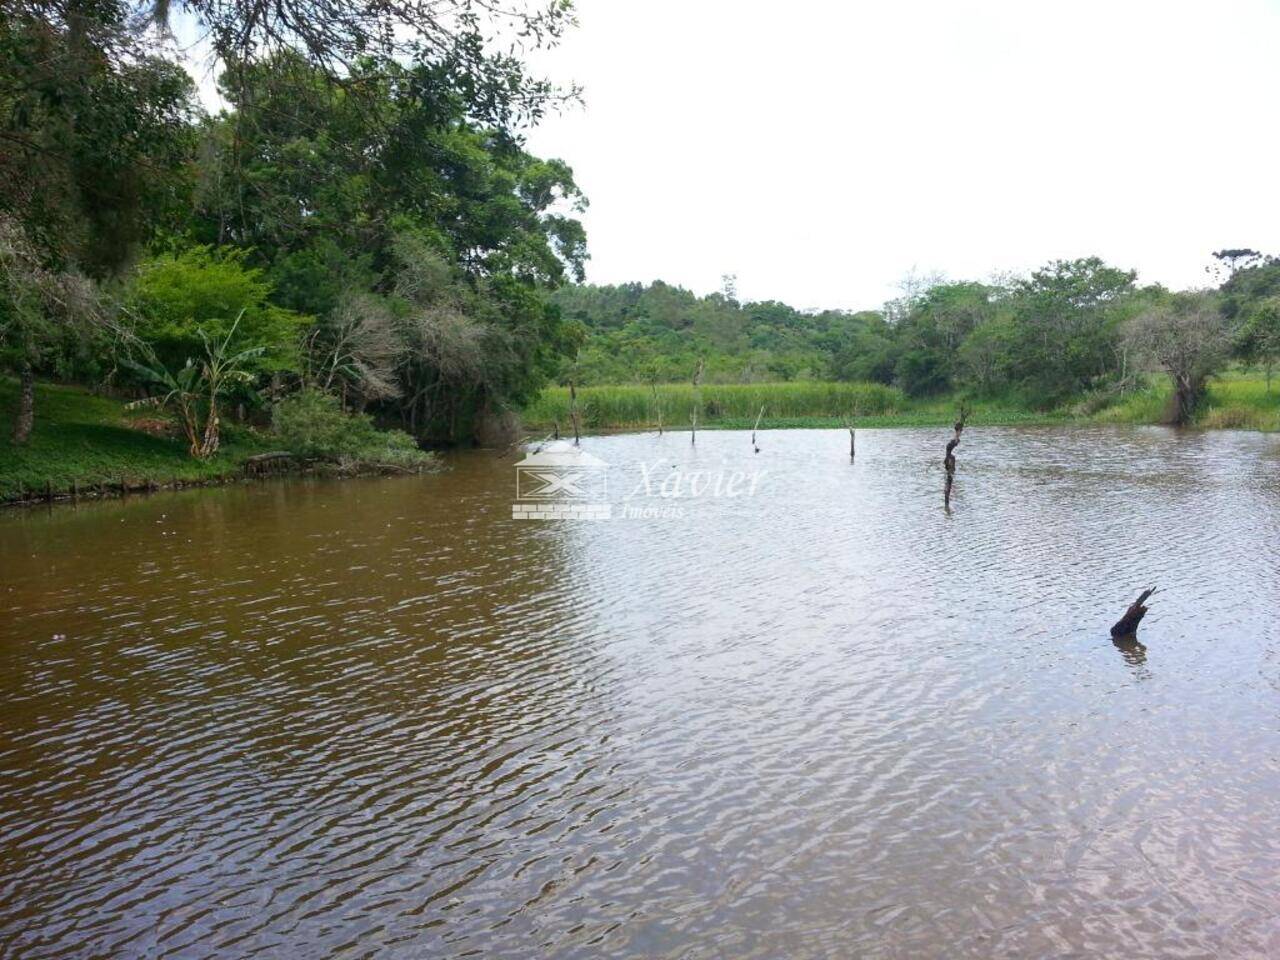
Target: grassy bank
{"type": "Point", "coordinates": [1238, 400]}
{"type": "Point", "coordinates": [86, 439]}
{"type": "Point", "coordinates": [87, 442]}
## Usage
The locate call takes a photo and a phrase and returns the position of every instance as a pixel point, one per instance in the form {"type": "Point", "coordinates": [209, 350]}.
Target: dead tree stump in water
{"type": "Point", "coordinates": [949, 460]}
{"type": "Point", "coordinates": [1126, 628]}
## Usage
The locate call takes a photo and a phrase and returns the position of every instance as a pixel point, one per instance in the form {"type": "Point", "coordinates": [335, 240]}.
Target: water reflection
{"type": "Point", "coordinates": [1134, 654]}
{"type": "Point", "coordinates": [311, 719]}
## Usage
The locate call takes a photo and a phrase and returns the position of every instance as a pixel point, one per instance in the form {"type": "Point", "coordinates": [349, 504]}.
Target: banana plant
{"type": "Point", "coordinates": [192, 392]}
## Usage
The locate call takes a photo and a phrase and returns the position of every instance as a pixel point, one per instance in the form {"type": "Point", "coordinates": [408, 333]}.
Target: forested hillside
{"type": "Point", "coordinates": [1064, 331]}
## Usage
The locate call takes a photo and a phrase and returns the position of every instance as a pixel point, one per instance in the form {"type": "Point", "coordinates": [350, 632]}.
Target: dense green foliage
{"type": "Point", "coordinates": [363, 212]}
{"type": "Point", "coordinates": [1051, 334]}
{"type": "Point", "coordinates": [174, 299]}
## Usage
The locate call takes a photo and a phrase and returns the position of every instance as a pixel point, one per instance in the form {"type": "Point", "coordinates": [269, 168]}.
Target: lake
{"type": "Point", "coordinates": [805, 713]}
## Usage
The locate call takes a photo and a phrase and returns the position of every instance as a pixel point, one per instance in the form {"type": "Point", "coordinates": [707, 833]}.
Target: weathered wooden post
{"type": "Point", "coordinates": [949, 460]}
{"type": "Point", "coordinates": [573, 411]}
{"type": "Point", "coordinates": [759, 416]}
{"type": "Point", "coordinates": [697, 400]}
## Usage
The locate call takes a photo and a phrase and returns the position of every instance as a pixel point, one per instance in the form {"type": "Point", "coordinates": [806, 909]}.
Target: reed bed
{"type": "Point", "coordinates": [636, 405]}
{"type": "Point", "coordinates": [1238, 399]}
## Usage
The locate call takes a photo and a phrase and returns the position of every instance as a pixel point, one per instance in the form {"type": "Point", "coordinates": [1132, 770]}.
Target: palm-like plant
{"type": "Point", "coordinates": [193, 391]}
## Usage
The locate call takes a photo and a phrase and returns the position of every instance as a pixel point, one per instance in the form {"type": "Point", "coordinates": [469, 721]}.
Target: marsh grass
{"type": "Point", "coordinates": [792, 404]}
{"type": "Point", "coordinates": [1236, 400]}
{"type": "Point", "coordinates": [636, 405]}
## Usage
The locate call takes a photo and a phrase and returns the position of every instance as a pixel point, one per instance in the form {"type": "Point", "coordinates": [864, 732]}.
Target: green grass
{"type": "Point", "coordinates": [736, 406]}
{"type": "Point", "coordinates": [1237, 400]}
{"type": "Point", "coordinates": [1240, 402]}
{"type": "Point", "coordinates": [87, 439]}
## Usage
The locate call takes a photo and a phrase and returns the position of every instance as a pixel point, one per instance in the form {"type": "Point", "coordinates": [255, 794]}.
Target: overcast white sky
{"type": "Point", "coordinates": [822, 150]}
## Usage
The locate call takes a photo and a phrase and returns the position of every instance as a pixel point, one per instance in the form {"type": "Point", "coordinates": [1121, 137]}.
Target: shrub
{"type": "Point", "coordinates": [313, 424]}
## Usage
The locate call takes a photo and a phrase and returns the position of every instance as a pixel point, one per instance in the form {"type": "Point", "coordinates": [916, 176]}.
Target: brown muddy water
{"type": "Point", "coordinates": [820, 718]}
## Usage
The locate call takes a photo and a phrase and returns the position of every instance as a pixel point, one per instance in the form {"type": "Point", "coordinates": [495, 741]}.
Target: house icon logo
{"type": "Point", "coordinates": [559, 481]}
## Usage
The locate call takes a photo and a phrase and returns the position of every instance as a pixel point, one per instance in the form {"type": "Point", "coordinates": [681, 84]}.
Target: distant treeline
{"type": "Point", "coordinates": [1065, 330]}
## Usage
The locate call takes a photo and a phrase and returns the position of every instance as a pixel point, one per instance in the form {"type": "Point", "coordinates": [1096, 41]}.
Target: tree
{"type": "Point", "coordinates": [1067, 316]}
{"type": "Point", "coordinates": [473, 49]}
{"type": "Point", "coordinates": [43, 313]}
{"type": "Point", "coordinates": [96, 131]}
{"type": "Point", "coordinates": [304, 171]}
{"type": "Point", "coordinates": [1187, 336]}
{"type": "Point", "coordinates": [1229, 262]}
{"type": "Point", "coordinates": [356, 349]}
{"type": "Point", "coordinates": [193, 391]}
{"type": "Point", "coordinates": [935, 324]}
{"type": "Point", "coordinates": [1259, 338]}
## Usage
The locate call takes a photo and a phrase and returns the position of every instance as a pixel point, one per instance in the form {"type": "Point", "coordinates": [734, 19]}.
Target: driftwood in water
{"type": "Point", "coordinates": [1127, 626]}
{"type": "Point", "coordinates": [760, 415]}
{"type": "Point", "coordinates": [949, 461]}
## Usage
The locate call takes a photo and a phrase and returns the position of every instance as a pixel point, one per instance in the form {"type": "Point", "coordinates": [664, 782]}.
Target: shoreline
{"type": "Point", "coordinates": [86, 446]}
{"type": "Point", "coordinates": [125, 487]}
{"type": "Point", "coordinates": [89, 447]}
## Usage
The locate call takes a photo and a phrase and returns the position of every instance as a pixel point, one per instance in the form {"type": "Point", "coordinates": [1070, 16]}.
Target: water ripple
{"type": "Point", "coordinates": [380, 718]}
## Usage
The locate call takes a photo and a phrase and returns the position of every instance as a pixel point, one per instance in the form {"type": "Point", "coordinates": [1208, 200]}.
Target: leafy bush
{"type": "Point", "coordinates": [313, 424]}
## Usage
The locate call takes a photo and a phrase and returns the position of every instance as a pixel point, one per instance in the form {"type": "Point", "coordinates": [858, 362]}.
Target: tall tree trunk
{"type": "Point", "coordinates": [1186, 395]}
{"type": "Point", "coordinates": [210, 443]}
{"type": "Point", "coordinates": [26, 417]}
